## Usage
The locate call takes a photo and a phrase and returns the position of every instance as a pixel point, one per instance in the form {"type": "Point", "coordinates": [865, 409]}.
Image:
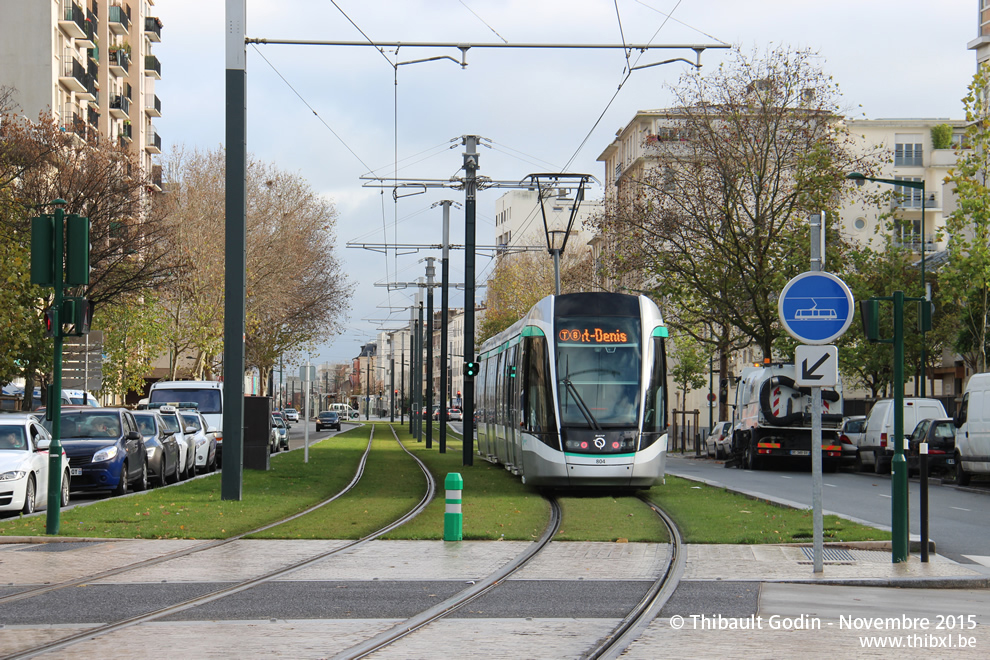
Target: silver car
{"type": "Point", "coordinates": [204, 439]}
{"type": "Point", "coordinates": [718, 441]}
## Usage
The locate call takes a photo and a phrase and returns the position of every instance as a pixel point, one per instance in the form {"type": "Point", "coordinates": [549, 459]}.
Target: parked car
{"type": "Point", "coordinates": [24, 465]}
{"type": "Point", "coordinates": [850, 438]}
{"type": "Point", "coordinates": [328, 419]}
{"type": "Point", "coordinates": [291, 415]}
{"type": "Point", "coordinates": [283, 432]}
{"type": "Point", "coordinates": [203, 439]}
{"type": "Point", "coordinates": [717, 442]}
{"type": "Point", "coordinates": [162, 447]}
{"type": "Point", "coordinates": [105, 449]}
{"type": "Point", "coordinates": [281, 415]}
{"type": "Point", "coordinates": [940, 434]}
{"type": "Point", "coordinates": [187, 445]}
{"type": "Point", "coordinates": [455, 415]}
{"type": "Point", "coordinates": [877, 448]}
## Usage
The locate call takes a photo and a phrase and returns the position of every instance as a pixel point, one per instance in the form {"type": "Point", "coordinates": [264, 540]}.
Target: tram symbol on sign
{"type": "Point", "coordinates": [815, 314]}
{"type": "Point", "coordinates": [600, 442]}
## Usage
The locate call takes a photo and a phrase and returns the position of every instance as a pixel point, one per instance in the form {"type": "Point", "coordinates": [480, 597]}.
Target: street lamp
{"type": "Point", "coordinates": [546, 186]}
{"type": "Point", "coordinates": [860, 179]}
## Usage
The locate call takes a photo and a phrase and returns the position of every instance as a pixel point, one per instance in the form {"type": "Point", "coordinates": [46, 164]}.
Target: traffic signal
{"type": "Point", "coordinates": [512, 371]}
{"type": "Point", "coordinates": [78, 312]}
{"type": "Point", "coordinates": [869, 311]}
{"type": "Point", "coordinates": [43, 250]}
{"type": "Point", "coordinates": [51, 322]}
{"type": "Point", "coordinates": [925, 315]}
{"type": "Point", "coordinates": [458, 394]}
{"type": "Point", "coordinates": [76, 250]}
{"type": "Point", "coordinates": [470, 369]}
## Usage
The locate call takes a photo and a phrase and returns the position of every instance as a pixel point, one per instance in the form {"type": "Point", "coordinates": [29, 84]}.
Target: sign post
{"type": "Point", "coordinates": [816, 308]}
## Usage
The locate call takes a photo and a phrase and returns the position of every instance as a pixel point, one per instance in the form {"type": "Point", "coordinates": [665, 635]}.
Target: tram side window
{"type": "Point", "coordinates": [538, 408]}
{"type": "Point", "coordinates": [654, 412]}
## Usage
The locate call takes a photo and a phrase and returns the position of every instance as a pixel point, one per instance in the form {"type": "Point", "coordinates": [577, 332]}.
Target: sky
{"type": "Point", "coordinates": [332, 114]}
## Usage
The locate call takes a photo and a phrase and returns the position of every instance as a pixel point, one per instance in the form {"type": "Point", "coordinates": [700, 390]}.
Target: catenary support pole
{"type": "Point", "coordinates": [817, 227]}
{"type": "Point", "coordinates": [235, 247]}
{"type": "Point", "coordinates": [430, 273]}
{"type": "Point", "coordinates": [470, 209]}
{"type": "Point", "coordinates": [444, 321]}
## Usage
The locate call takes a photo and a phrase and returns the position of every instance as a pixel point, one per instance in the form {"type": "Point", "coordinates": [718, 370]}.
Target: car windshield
{"type": "Point", "coordinates": [170, 422]}
{"type": "Point", "coordinates": [88, 425]}
{"type": "Point", "coordinates": [945, 430]}
{"type": "Point", "coordinates": [146, 423]}
{"type": "Point", "coordinates": [12, 438]}
{"type": "Point", "coordinates": [192, 420]}
{"type": "Point", "coordinates": [207, 400]}
{"type": "Point", "coordinates": [278, 422]}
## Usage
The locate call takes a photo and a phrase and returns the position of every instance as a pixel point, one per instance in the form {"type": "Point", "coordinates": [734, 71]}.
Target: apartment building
{"type": "Point", "coordinates": [981, 44]}
{"type": "Point", "coordinates": [90, 63]}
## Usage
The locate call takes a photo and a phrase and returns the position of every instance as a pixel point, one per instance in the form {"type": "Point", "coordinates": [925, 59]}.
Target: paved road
{"type": "Point", "coordinates": [957, 517]}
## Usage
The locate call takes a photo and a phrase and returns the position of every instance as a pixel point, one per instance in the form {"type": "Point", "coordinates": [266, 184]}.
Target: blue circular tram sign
{"type": "Point", "coordinates": [816, 307]}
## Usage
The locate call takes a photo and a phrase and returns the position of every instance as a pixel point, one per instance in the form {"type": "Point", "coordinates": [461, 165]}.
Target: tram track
{"type": "Point", "coordinates": [611, 645]}
{"type": "Point", "coordinates": [235, 588]}
{"type": "Point", "coordinates": [201, 547]}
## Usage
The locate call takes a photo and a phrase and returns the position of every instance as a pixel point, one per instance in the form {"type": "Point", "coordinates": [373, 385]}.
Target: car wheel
{"type": "Point", "coordinates": [30, 494]}
{"type": "Point", "coordinates": [159, 480]}
{"type": "Point", "coordinates": [858, 464]}
{"type": "Point", "coordinates": [749, 460]}
{"type": "Point", "coordinates": [962, 477]}
{"type": "Point", "coordinates": [121, 488]}
{"type": "Point", "coordinates": [142, 482]}
{"type": "Point", "coordinates": [213, 464]}
{"type": "Point", "coordinates": [881, 464]}
{"type": "Point", "coordinates": [65, 489]}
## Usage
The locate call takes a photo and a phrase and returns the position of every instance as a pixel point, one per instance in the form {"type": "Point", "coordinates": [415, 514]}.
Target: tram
{"type": "Point", "coordinates": [574, 394]}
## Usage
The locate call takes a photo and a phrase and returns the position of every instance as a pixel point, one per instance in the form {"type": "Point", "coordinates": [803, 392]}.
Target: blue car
{"type": "Point", "coordinates": [105, 448]}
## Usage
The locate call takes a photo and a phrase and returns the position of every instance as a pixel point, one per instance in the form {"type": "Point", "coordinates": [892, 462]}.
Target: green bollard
{"type": "Point", "coordinates": [453, 519]}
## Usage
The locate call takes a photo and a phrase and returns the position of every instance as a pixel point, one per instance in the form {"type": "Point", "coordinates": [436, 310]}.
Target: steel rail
{"type": "Point", "coordinates": [243, 585]}
{"type": "Point", "coordinates": [458, 600]}
{"type": "Point", "coordinates": [634, 623]}
{"type": "Point", "coordinates": [209, 545]}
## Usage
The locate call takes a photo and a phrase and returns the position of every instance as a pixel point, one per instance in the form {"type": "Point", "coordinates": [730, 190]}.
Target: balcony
{"type": "Point", "coordinates": [126, 132]}
{"type": "Point", "coordinates": [72, 20]}
{"type": "Point", "coordinates": [910, 200]}
{"type": "Point", "coordinates": [153, 28]}
{"type": "Point", "coordinates": [118, 21]}
{"type": "Point", "coordinates": [120, 107]}
{"type": "Point", "coordinates": [75, 127]}
{"type": "Point", "coordinates": [156, 177]}
{"type": "Point", "coordinates": [154, 142]}
{"type": "Point", "coordinates": [913, 242]}
{"type": "Point", "coordinates": [152, 67]}
{"type": "Point", "coordinates": [154, 110]}
{"type": "Point", "coordinates": [73, 76]}
{"type": "Point", "coordinates": [119, 63]}
{"type": "Point", "coordinates": [94, 118]}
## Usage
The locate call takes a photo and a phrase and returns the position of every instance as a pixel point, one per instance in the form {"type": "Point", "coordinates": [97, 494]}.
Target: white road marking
{"type": "Point", "coordinates": [887, 496]}
{"type": "Point", "coordinates": [785, 477]}
{"type": "Point", "coordinates": [831, 485]}
{"type": "Point", "coordinates": [958, 508]}
{"type": "Point", "coordinates": [979, 559]}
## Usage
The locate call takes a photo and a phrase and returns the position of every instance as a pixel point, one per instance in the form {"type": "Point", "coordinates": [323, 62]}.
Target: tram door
{"type": "Point", "coordinates": [512, 434]}
{"type": "Point", "coordinates": [498, 400]}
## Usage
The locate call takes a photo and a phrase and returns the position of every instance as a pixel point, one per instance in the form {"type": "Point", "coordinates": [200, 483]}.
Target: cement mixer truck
{"type": "Point", "coordinates": [772, 419]}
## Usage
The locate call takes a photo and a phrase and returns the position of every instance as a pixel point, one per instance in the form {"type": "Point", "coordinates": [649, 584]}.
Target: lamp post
{"type": "Point", "coordinates": [556, 239]}
{"type": "Point", "coordinates": [916, 185]}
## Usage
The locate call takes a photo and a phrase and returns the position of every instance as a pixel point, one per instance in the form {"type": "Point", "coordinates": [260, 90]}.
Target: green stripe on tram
{"type": "Point", "coordinates": [660, 332]}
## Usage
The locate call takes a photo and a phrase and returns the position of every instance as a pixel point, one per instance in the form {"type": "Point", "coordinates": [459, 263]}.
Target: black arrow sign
{"type": "Point", "coordinates": [809, 374]}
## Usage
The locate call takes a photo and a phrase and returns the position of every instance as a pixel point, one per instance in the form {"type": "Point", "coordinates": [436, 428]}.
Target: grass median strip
{"type": "Point", "coordinates": [496, 505]}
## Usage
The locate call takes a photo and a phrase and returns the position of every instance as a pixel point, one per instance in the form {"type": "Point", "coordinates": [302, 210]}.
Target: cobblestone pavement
{"type": "Point", "coordinates": [830, 619]}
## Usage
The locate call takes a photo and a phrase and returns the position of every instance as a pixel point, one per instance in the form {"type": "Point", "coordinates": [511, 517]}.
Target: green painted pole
{"type": "Point", "coordinates": [453, 519]}
{"type": "Point", "coordinates": [899, 514]}
{"type": "Point", "coordinates": [53, 515]}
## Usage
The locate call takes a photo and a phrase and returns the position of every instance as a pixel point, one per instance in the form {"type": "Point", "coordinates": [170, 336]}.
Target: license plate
{"type": "Point", "coordinates": [800, 452]}
{"type": "Point", "coordinates": [950, 461]}
{"type": "Point", "coordinates": [75, 472]}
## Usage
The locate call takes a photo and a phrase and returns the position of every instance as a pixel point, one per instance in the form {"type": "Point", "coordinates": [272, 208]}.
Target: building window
{"type": "Point", "coordinates": [908, 151]}
{"type": "Point", "coordinates": [907, 197]}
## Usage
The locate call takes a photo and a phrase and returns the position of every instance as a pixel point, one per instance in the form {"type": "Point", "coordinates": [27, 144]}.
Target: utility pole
{"type": "Point", "coordinates": [430, 273]}
{"type": "Point", "coordinates": [444, 320]}
{"type": "Point", "coordinates": [420, 406]}
{"type": "Point", "coordinates": [470, 208]}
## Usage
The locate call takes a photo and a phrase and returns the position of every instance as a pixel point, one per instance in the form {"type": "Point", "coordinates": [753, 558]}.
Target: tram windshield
{"type": "Point", "coordinates": [599, 365]}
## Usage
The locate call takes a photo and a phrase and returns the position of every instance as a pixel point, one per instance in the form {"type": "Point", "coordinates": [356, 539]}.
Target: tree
{"type": "Point", "coordinates": [691, 363]}
{"type": "Point", "coordinates": [98, 179]}
{"type": "Point", "coordinates": [133, 337]}
{"type": "Point", "coordinates": [718, 221]}
{"type": "Point", "coordinates": [965, 279]}
{"type": "Point", "coordinates": [520, 280]}
{"type": "Point", "coordinates": [297, 292]}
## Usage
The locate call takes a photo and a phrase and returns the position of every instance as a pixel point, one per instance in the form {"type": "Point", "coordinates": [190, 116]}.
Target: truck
{"type": "Point", "coordinates": [772, 419]}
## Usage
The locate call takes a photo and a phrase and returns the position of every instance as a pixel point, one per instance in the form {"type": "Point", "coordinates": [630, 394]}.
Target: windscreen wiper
{"type": "Point", "coordinates": [582, 406]}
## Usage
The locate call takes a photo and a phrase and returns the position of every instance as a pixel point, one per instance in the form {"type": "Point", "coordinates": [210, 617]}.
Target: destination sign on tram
{"type": "Point", "coordinates": [593, 336]}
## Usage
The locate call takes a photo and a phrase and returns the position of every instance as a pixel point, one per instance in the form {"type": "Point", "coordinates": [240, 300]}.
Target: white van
{"type": "Point", "coordinates": [877, 448]}
{"type": "Point", "coordinates": [206, 394]}
{"type": "Point", "coordinates": [344, 410]}
{"type": "Point", "coordinates": [973, 430]}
